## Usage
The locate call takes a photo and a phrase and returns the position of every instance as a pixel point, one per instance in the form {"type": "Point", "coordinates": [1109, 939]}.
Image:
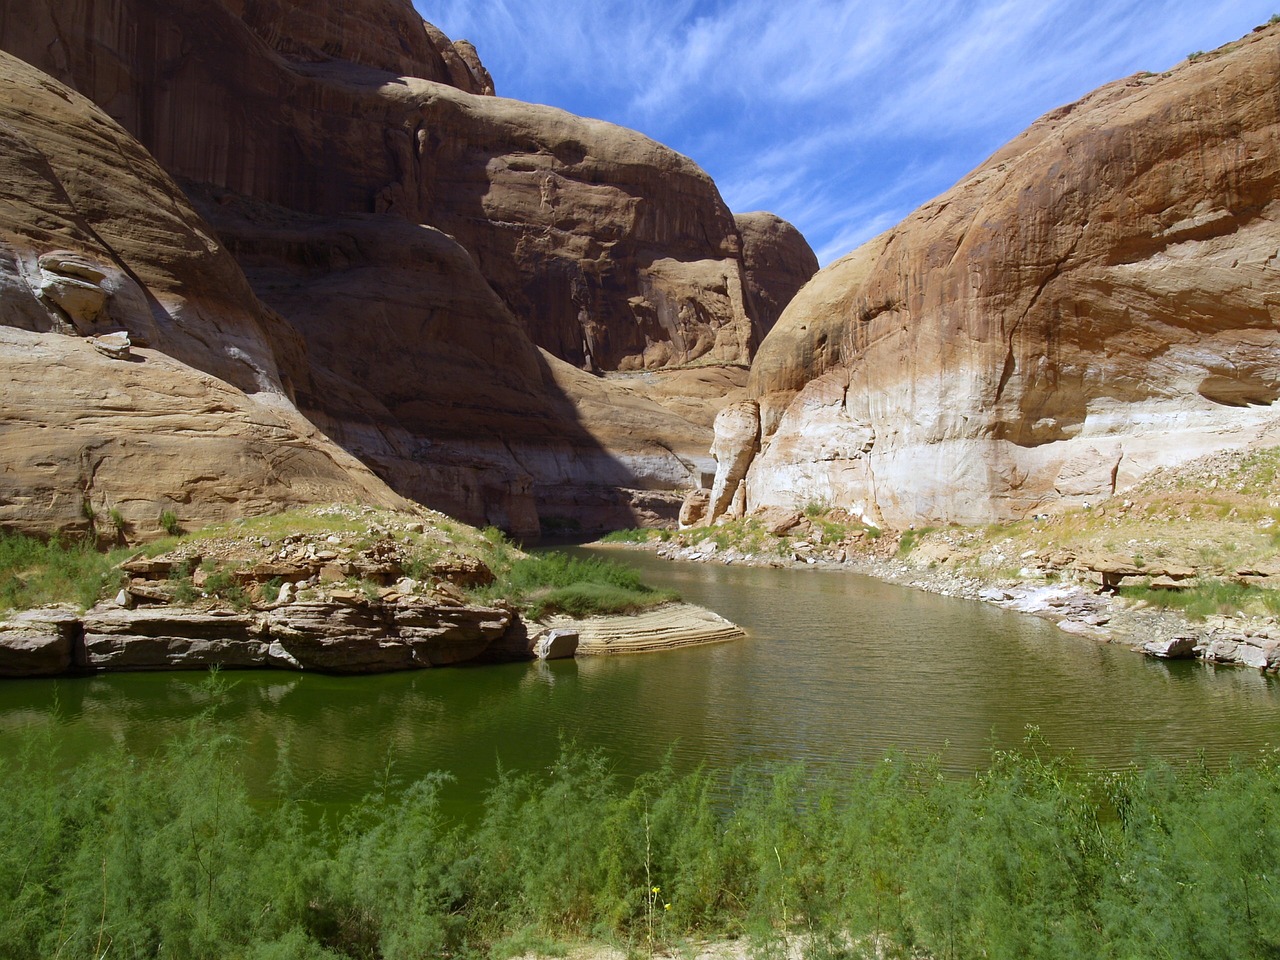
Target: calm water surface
{"type": "Point", "coordinates": [838, 670]}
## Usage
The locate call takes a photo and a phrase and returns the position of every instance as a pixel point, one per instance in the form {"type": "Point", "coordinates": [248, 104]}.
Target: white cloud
{"type": "Point", "coordinates": [835, 114]}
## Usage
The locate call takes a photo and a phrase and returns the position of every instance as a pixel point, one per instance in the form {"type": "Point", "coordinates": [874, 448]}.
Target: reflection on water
{"type": "Point", "coordinates": [838, 670]}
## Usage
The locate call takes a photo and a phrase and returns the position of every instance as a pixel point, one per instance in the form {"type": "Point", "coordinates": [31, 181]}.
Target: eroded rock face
{"type": "Point", "coordinates": [85, 434]}
{"type": "Point", "coordinates": [1092, 302]}
{"type": "Point", "coordinates": [328, 636]}
{"type": "Point", "coordinates": [38, 643]}
{"type": "Point", "coordinates": [414, 244]}
{"type": "Point", "coordinates": [778, 260]}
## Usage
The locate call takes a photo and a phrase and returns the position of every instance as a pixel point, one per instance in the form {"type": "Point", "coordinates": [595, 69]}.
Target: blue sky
{"type": "Point", "coordinates": [840, 115]}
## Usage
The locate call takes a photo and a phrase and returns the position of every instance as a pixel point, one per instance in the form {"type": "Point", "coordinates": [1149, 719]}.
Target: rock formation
{"type": "Point", "coordinates": [414, 240]}
{"type": "Point", "coordinates": [778, 260]}
{"type": "Point", "coordinates": [140, 374]}
{"type": "Point", "coordinates": [1095, 300]}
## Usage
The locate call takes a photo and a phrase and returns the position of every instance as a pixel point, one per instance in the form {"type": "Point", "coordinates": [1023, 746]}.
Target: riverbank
{"type": "Point", "coordinates": [1184, 565]}
{"type": "Point", "coordinates": [339, 589]}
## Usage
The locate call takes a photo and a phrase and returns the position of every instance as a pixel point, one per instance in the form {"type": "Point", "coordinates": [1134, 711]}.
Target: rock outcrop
{"type": "Point", "coordinates": [414, 238]}
{"type": "Point", "coordinates": [778, 260]}
{"type": "Point", "coordinates": [140, 373]}
{"type": "Point", "coordinates": [1094, 301]}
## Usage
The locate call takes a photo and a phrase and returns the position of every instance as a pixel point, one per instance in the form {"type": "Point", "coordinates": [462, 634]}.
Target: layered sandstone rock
{"type": "Point", "coordinates": [413, 242]}
{"type": "Point", "coordinates": [613, 250]}
{"type": "Point", "coordinates": [329, 636]}
{"type": "Point", "coordinates": [140, 374]}
{"type": "Point", "coordinates": [85, 435]}
{"type": "Point", "coordinates": [778, 260]}
{"type": "Point", "coordinates": [1095, 300]}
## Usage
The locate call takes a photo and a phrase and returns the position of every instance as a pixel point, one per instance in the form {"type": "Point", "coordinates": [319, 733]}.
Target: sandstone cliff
{"type": "Point", "coordinates": [1095, 300]}
{"type": "Point", "coordinates": [191, 413]}
{"type": "Point", "coordinates": [415, 239]}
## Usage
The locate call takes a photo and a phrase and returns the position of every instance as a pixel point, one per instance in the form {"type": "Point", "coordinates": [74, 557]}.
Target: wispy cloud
{"type": "Point", "coordinates": [835, 115]}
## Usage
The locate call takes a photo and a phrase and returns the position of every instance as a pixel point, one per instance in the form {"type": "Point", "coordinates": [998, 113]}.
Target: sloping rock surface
{"type": "Point", "coordinates": [1094, 301]}
{"type": "Point", "coordinates": [413, 241]}
{"type": "Point", "coordinates": [139, 371]}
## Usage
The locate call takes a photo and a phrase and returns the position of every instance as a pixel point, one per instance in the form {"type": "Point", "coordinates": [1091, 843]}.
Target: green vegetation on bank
{"type": "Point", "coordinates": [1208, 597]}
{"type": "Point", "coordinates": [214, 564]}
{"type": "Point", "coordinates": [34, 572]}
{"type": "Point", "coordinates": [555, 582]}
{"type": "Point", "coordinates": [1035, 857]}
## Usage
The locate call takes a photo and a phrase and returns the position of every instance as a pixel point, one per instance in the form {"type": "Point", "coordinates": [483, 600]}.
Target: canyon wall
{"type": "Point", "coordinates": [1096, 300]}
{"type": "Point", "coordinates": [138, 372]}
{"type": "Point", "coordinates": [384, 243]}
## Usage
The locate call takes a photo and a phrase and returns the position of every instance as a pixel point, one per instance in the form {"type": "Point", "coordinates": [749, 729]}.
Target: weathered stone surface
{"type": "Point", "coordinates": [662, 628]}
{"type": "Point", "coordinates": [319, 171]}
{"type": "Point", "coordinates": [384, 34]}
{"type": "Point", "coordinates": [737, 438]}
{"type": "Point", "coordinates": [346, 634]}
{"type": "Point", "coordinates": [778, 261]}
{"type": "Point", "coordinates": [38, 643]}
{"type": "Point", "coordinates": [1090, 303]}
{"type": "Point", "coordinates": [151, 435]}
{"type": "Point", "coordinates": [556, 644]}
{"type": "Point", "coordinates": [694, 508]}
{"type": "Point", "coordinates": [170, 638]}
{"type": "Point", "coordinates": [1172, 648]}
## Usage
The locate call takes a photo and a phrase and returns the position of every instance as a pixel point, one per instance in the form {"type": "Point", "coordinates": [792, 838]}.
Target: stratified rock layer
{"type": "Point", "coordinates": [414, 241]}
{"type": "Point", "coordinates": [1095, 300]}
{"type": "Point", "coordinates": [138, 372]}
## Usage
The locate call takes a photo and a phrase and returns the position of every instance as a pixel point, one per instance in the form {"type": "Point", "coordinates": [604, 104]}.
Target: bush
{"type": "Point", "coordinates": [35, 572]}
{"type": "Point", "coordinates": [638, 535]}
{"type": "Point", "coordinates": [169, 523]}
{"type": "Point", "coordinates": [1035, 857]}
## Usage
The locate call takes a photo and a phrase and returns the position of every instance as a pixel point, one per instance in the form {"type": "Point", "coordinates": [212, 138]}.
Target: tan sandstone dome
{"type": "Point", "coordinates": [1098, 299]}
{"type": "Point", "coordinates": [138, 372]}
{"type": "Point", "coordinates": [415, 240]}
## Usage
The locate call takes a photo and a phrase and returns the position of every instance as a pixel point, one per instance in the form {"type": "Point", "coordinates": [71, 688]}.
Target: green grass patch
{"type": "Point", "coordinates": [556, 582]}
{"type": "Point", "coordinates": [34, 572]}
{"type": "Point", "coordinates": [637, 535]}
{"type": "Point", "coordinates": [909, 539]}
{"type": "Point", "coordinates": [1207, 598]}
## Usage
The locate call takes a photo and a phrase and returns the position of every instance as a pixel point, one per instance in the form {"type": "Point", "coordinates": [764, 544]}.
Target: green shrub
{"type": "Point", "coordinates": [638, 535]}
{"type": "Point", "coordinates": [1207, 598]}
{"type": "Point", "coordinates": [555, 582]}
{"type": "Point", "coordinates": [35, 572]}
{"type": "Point", "coordinates": [169, 523]}
{"type": "Point", "coordinates": [1036, 857]}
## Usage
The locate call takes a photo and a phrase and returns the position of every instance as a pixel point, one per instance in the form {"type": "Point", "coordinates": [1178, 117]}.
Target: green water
{"type": "Point", "coordinates": [838, 670]}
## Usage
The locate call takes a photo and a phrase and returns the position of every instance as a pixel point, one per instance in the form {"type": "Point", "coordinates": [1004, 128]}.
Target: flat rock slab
{"type": "Point", "coordinates": [37, 643]}
{"type": "Point", "coordinates": [663, 628]}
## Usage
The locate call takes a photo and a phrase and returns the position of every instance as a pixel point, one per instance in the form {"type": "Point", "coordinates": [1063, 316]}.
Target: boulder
{"type": "Point", "coordinates": [1181, 647]}
{"type": "Point", "coordinates": [38, 643]}
{"type": "Point", "coordinates": [694, 508]}
{"type": "Point", "coordinates": [556, 644]}
{"type": "Point", "coordinates": [737, 438]}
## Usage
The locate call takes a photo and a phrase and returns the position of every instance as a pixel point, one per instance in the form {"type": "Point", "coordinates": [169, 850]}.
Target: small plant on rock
{"type": "Point", "coordinates": [169, 523]}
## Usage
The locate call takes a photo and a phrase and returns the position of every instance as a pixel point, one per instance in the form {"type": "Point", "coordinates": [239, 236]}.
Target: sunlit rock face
{"type": "Point", "coordinates": [139, 373]}
{"type": "Point", "coordinates": [415, 241]}
{"type": "Point", "coordinates": [1096, 300]}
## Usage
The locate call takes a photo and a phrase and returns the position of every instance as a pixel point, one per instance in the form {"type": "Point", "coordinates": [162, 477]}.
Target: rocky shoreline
{"type": "Point", "coordinates": [344, 635]}
{"type": "Point", "coordinates": [1076, 601]}
{"type": "Point", "coordinates": [338, 589]}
